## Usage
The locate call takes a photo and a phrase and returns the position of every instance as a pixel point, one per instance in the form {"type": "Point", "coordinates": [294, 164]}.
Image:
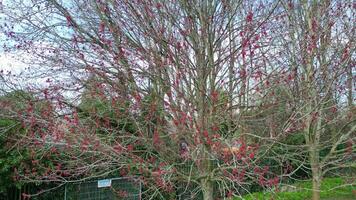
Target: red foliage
{"type": "Point", "coordinates": [156, 139]}
{"type": "Point", "coordinates": [101, 27]}
{"type": "Point", "coordinates": [123, 194]}
{"type": "Point", "coordinates": [215, 96]}
{"type": "Point", "coordinates": [249, 16]}
{"type": "Point", "coordinates": [130, 147]}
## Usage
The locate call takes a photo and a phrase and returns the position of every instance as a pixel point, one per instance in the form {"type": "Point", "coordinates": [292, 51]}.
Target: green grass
{"type": "Point", "coordinates": [330, 190]}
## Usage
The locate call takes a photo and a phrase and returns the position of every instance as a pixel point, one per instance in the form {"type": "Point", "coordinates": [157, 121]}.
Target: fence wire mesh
{"type": "Point", "coordinates": [120, 188]}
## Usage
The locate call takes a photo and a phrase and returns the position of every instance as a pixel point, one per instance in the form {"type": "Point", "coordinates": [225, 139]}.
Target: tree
{"type": "Point", "coordinates": [180, 92]}
{"type": "Point", "coordinates": [15, 160]}
{"type": "Point", "coordinates": [8, 158]}
{"type": "Point", "coordinates": [318, 51]}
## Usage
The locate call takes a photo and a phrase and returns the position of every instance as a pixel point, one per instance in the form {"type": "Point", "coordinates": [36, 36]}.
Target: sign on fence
{"type": "Point", "coordinates": [104, 183]}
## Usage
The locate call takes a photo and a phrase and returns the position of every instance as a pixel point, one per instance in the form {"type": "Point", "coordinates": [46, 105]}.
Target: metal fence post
{"type": "Point", "coordinates": [140, 197]}
{"type": "Point", "coordinates": [65, 192]}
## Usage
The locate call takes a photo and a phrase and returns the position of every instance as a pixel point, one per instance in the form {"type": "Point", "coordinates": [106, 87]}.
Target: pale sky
{"type": "Point", "coordinates": [11, 62]}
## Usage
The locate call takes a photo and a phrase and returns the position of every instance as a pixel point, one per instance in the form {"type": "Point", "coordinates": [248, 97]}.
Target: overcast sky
{"type": "Point", "coordinates": [11, 62]}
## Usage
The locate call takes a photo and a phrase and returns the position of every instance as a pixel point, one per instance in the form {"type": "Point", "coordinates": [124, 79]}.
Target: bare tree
{"type": "Point", "coordinates": [319, 49]}
{"type": "Point", "coordinates": [188, 95]}
{"type": "Point", "coordinates": [174, 59]}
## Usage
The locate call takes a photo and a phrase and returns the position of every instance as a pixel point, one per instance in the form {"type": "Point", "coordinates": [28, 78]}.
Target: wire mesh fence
{"type": "Point", "coordinates": [33, 190]}
{"type": "Point", "coordinates": [126, 188]}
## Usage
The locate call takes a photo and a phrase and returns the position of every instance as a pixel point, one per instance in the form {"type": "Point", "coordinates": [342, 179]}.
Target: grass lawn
{"type": "Point", "coordinates": [330, 190]}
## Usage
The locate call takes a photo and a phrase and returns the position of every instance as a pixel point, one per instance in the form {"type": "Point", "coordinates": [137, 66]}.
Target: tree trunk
{"type": "Point", "coordinates": [207, 188]}
{"type": "Point", "coordinates": [205, 183]}
{"type": "Point", "coordinates": [316, 184]}
{"type": "Point", "coordinates": [316, 173]}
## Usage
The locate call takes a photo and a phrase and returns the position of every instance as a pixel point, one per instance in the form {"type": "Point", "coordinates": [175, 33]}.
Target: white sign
{"type": "Point", "coordinates": [104, 183]}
